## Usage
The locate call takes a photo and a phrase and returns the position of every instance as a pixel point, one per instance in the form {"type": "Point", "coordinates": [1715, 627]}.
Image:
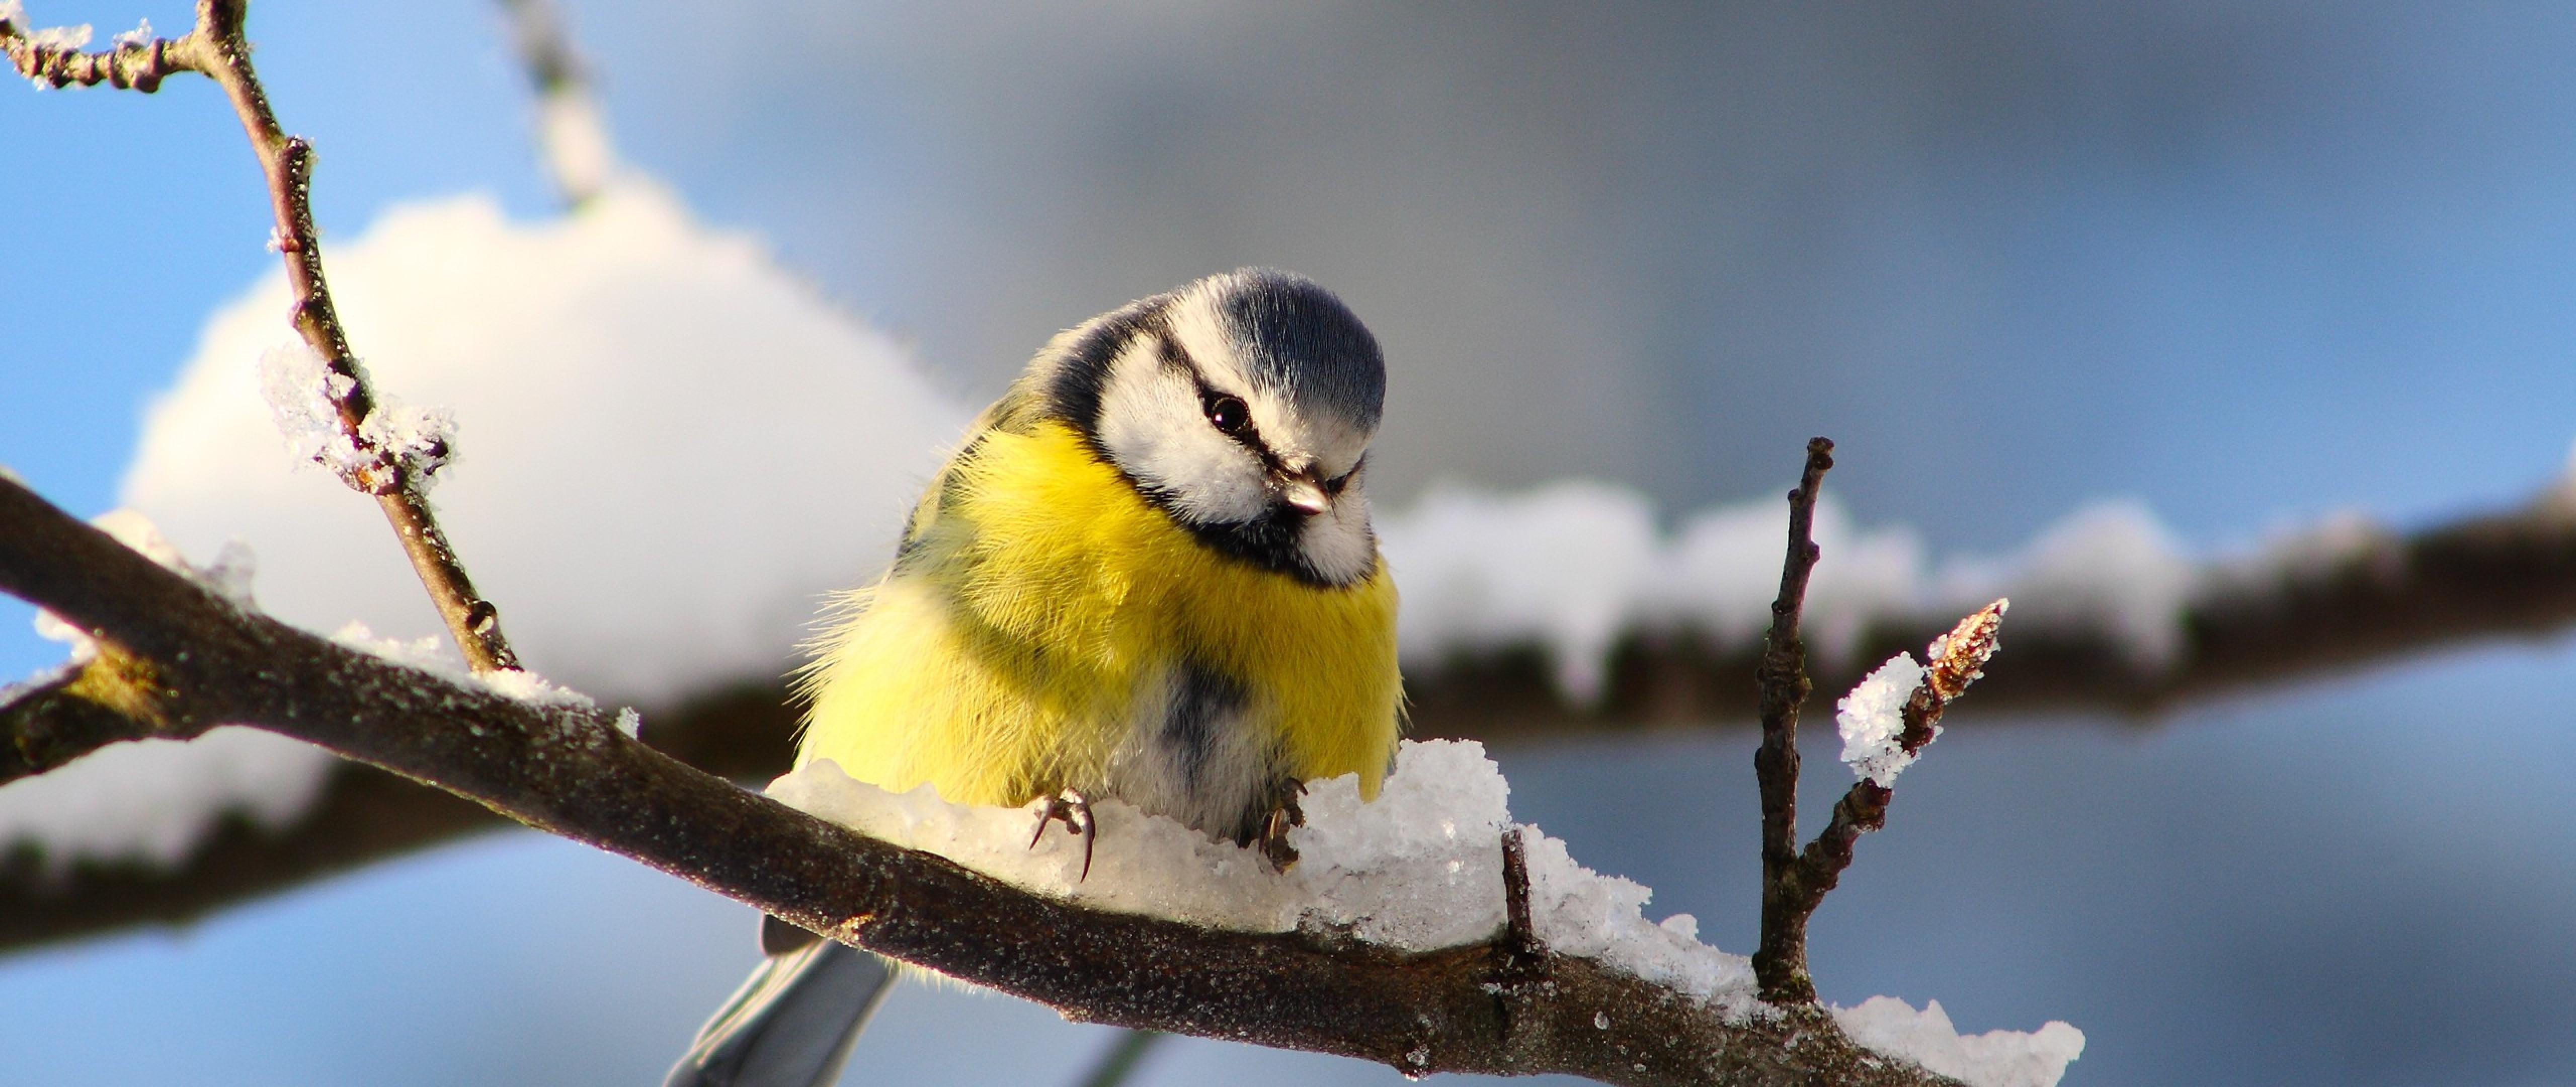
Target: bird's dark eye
{"type": "Point", "coordinates": [1227, 413]}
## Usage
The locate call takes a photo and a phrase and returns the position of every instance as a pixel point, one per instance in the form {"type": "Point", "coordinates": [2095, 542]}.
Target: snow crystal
{"type": "Point", "coordinates": [2000, 1058]}
{"type": "Point", "coordinates": [51, 37]}
{"type": "Point", "coordinates": [428, 653]}
{"type": "Point", "coordinates": [141, 35]}
{"type": "Point", "coordinates": [621, 376]}
{"type": "Point", "coordinates": [304, 395]}
{"type": "Point", "coordinates": [630, 722]}
{"type": "Point", "coordinates": [1872, 717]}
{"type": "Point", "coordinates": [525, 686]}
{"type": "Point", "coordinates": [421, 439]}
{"type": "Point", "coordinates": [1420, 868]}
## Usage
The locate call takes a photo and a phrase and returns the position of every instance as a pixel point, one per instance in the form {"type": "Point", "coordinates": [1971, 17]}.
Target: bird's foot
{"type": "Point", "coordinates": [1074, 811]}
{"type": "Point", "coordinates": [1273, 838]}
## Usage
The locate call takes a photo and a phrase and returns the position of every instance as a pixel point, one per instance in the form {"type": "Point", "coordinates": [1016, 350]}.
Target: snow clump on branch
{"type": "Point", "coordinates": [1418, 869]}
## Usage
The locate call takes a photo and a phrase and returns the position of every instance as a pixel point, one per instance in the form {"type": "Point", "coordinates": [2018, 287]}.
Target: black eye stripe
{"type": "Point", "coordinates": [1176, 357]}
{"type": "Point", "coordinates": [1337, 484]}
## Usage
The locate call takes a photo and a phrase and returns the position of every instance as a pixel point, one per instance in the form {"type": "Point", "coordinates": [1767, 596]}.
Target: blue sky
{"type": "Point", "coordinates": [2250, 262]}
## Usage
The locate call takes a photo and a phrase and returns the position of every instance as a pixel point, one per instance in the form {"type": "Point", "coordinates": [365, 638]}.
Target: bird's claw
{"type": "Point", "coordinates": [1073, 810]}
{"type": "Point", "coordinates": [1272, 840]}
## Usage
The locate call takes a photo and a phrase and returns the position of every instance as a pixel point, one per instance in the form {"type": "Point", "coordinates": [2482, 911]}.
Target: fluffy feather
{"type": "Point", "coordinates": [1032, 639]}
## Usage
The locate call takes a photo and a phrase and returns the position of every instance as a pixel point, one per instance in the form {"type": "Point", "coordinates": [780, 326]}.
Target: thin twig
{"type": "Point", "coordinates": [216, 49]}
{"type": "Point", "coordinates": [1957, 659]}
{"type": "Point", "coordinates": [569, 772]}
{"type": "Point", "coordinates": [1780, 959]}
{"type": "Point", "coordinates": [1520, 959]}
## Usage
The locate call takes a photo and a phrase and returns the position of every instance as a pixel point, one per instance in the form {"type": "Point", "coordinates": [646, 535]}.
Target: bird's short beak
{"type": "Point", "coordinates": [1306, 495]}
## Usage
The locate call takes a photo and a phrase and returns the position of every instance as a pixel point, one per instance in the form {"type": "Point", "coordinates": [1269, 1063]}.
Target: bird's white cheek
{"type": "Point", "coordinates": [1208, 477]}
{"type": "Point", "coordinates": [1337, 542]}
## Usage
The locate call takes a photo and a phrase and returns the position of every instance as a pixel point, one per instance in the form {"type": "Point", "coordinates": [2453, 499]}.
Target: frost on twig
{"type": "Point", "coordinates": [1895, 712]}
{"type": "Point", "coordinates": [303, 394]}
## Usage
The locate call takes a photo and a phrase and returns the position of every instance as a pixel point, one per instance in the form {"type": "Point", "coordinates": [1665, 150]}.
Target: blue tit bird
{"type": "Point", "coordinates": [1148, 574]}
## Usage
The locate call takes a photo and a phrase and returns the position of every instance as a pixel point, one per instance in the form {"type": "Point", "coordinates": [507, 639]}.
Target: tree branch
{"type": "Point", "coordinates": [2295, 614]}
{"type": "Point", "coordinates": [216, 49]}
{"type": "Point", "coordinates": [1780, 959]}
{"type": "Point", "coordinates": [568, 772]}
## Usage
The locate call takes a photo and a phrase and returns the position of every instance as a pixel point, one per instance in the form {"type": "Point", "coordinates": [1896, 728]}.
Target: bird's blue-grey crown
{"type": "Point", "coordinates": [1243, 406]}
{"type": "Point", "coordinates": [1302, 341]}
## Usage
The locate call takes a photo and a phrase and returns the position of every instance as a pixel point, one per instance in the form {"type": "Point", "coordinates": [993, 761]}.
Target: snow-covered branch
{"type": "Point", "coordinates": [2109, 618]}
{"type": "Point", "coordinates": [568, 770]}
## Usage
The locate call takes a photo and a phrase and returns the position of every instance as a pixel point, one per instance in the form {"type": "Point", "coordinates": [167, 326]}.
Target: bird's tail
{"type": "Point", "coordinates": [793, 1021]}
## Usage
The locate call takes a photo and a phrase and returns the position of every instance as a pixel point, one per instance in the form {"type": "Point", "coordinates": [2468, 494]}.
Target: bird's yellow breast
{"type": "Point", "coordinates": [1044, 601]}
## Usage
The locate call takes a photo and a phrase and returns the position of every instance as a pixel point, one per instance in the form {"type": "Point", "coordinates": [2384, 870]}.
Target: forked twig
{"type": "Point", "coordinates": [1780, 960]}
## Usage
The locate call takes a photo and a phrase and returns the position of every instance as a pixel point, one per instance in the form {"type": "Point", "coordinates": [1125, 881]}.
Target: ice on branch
{"type": "Point", "coordinates": [2000, 1058]}
{"type": "Point", "coordinates": [303, 397]}
{"type": "Point", "coordinates": [141, 35]}
{"type": "Point", "coordinates": [1872, 720]}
